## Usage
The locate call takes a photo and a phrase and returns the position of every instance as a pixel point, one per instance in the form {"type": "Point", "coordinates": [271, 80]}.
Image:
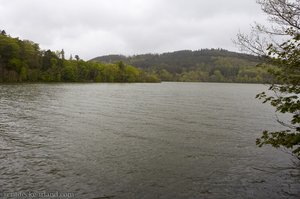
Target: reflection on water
{"type": "Point", "coordinates": [169, 140]}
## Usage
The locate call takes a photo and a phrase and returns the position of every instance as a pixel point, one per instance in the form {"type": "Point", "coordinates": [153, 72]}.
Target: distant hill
{"type": "Point", "coordinates": [110, 58]}
{"type": "Point", "coordinates": [180, 61]}
{"type": "Point", "coordinates": [213, 65]}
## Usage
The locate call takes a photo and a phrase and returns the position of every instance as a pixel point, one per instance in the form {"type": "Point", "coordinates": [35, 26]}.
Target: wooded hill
{"type": "Point", "coordinates": [24, 61]}
{"type": "Point", "coordinates": [215, 65]}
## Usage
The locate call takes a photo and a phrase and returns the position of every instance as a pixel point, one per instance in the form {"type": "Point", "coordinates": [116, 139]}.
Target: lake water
{"type": "Point", "coordinates": [168, 140]}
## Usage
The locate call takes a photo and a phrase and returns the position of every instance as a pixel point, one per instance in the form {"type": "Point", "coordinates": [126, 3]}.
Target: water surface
{"type": "Point", "coordinates": [168, 140]}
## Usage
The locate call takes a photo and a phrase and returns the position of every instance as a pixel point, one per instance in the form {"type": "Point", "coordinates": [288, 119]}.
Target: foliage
{"type": "Point", "coordinates": [23, 61]}
{"type": "Point", "coordinates": [283, 59]}
{"type": "Point", "coordinates": [209, 65]}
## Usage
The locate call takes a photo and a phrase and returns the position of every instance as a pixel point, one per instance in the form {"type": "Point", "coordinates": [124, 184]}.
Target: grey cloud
{"type": "Point", "coordinates": [96, 27]}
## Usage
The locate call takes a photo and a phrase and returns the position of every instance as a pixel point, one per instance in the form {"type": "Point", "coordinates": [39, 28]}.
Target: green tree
{"type": "Point", "coordinates": [77, 57]}
{"type": "Point", "coordinates": [23, 73]}
{"type": "Point", "coordinates": [2, 32]}
{"type": "Point", "coordinates": [22, 60]}
{"type": "Point", "coordinates": [122, 76]}
{"type": "Point", "coordinates": [165, 75]}
{"type": "Point", "coordinates": [284, 59]}
{"type": "Point", "coordinates": [62, 53]}
{"type": "Point", "coordinates": [9, 48]}
{"type": "Point", "coordinates": [132, 74]}
{"type": "Point", "coordinates": [70, 72]}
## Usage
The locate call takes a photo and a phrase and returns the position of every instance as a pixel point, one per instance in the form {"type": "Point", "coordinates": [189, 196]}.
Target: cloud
{"type": "Point", "coordinates": [96, 27]}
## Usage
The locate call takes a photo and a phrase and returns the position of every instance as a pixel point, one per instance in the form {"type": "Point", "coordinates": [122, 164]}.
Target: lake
{"type": "Point", "coordinates": [167, 140]}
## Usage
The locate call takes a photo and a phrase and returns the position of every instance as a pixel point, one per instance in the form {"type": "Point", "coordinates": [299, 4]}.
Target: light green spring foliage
{"type": "Point", "coordinates": [23, 61]}
{"type": "Point", "coordinates": [286, 62]}
{"type": "Point", "coordinates": [206, 65]}
{"type": "Point", "coordinates": [283, 61]}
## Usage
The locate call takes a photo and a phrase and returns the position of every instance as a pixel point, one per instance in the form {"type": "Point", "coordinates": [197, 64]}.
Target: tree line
{"type": "Point", "coordinates": [205, 65]}
{"type": "Point", "coordinates": [24, 61]}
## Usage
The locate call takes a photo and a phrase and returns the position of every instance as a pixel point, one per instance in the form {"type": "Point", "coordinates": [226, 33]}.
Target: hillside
{"type": "Point", "coordinates": [180, 61]}
{"type": "Point", "coordinates": [24, 61]}
{"type": "Point", "coordinates": [217, 65]}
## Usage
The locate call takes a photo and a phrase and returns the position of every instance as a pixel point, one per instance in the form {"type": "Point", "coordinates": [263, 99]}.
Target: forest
{"type": "Point", "coordinates": [24, 61]}
{"type": "Point", "coordinates": [205, 65]}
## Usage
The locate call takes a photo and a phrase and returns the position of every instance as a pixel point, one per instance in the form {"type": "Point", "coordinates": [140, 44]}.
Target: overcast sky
{"type": "Point", "coordinates": [92, 28]}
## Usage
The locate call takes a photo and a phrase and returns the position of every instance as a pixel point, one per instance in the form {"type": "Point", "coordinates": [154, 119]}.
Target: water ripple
{"type": "Point", "coordinates": [169, 140]}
